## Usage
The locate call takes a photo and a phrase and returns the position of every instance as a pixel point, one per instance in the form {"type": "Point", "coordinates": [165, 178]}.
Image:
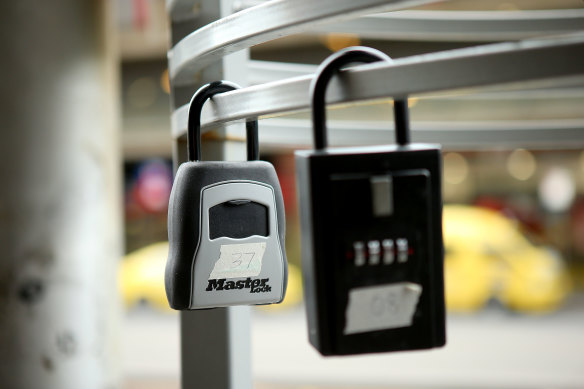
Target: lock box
{"type": "Point", "coordinates": [371, 221]}
{"type": "Point", "coordinates": [372, 249]}
{"type": "Point", "coordinates": [226, 225]}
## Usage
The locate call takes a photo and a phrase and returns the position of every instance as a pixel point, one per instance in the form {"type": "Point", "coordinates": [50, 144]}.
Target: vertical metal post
{"type": "Point", "coordinates": [215, 348]}
{"type": "Point", "coordinates": [60, 224]}
{"type": "Point", "coordinates": [215, 344]}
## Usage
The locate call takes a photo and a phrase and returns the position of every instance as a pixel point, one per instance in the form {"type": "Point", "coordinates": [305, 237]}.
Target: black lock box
{"type": "Point", "coordinates": [371, 222]}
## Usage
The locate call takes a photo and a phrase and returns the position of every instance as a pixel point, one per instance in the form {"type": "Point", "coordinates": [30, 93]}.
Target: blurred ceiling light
{"type": "Point", "coordinates": [455, 168]}
{"type": "Point", "coordinates": [557, 190]}
{"type": "Point", "coordinates": [336, 42]}
{"type": "Point", "coordinates": [521, 164]}
{"type": "Point", "coordinates": [165, 82]}
{"type": "Point", "coordinates": [142, 92]}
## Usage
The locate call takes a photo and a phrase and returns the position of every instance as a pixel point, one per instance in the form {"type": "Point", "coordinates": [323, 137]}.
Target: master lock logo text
{"type": "Point", "coordinates": [256, 285]}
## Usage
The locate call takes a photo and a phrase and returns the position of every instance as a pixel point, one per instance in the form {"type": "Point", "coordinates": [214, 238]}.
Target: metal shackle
{"type": "Point", "coordinates": [194, 124]}
{"type": "Point", "coordinates": [325, 72]}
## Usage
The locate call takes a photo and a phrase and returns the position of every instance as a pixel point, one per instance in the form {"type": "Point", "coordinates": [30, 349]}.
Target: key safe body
{"type": "Point", "coordinates": [200, 228]}
{"type": "Point", "coordinates": [226, 225]}
{"type": "Point", "coordinates": [360, 203]}
{"type": "Point", "coordinates": [371, 222]}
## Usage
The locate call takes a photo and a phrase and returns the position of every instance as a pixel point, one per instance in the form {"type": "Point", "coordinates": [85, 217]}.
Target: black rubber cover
{"type": "Point", "coordinates": [184, 216]}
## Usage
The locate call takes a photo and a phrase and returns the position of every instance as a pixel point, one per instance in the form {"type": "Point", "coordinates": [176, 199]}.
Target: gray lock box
{"type": "Point", "coordinates": [226, 226]}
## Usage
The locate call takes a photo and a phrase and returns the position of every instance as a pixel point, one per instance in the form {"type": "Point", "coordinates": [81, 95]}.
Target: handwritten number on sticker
{"type": "Point", "coordinates": [251, 255]}
{"type": "Point", "coordinates": [381, 307]}
{"type": "Point", "coordinates": [239, 257]}
{"type": "Point", "coordinates": [239, 260]}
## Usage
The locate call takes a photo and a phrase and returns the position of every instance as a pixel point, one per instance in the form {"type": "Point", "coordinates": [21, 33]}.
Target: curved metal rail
{"type": "Point", "coordinates": [465, 26]}
{"type": "Point", "coordinates": [495, 64]}
{"type": "Point", "coordinates": [262, 23]}
{"type": "Point", "coordinates": [532, 134]}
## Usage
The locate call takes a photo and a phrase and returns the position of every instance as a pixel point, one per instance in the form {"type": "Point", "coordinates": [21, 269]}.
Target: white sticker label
{"type": "Point", "coordinates": [381, 307]}
{"type": "Point", "coordinates": [239, 260]}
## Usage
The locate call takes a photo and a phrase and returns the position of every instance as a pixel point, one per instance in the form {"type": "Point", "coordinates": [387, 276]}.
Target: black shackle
{"type": "Point", "coordinates": [331, 66]}
{"type": "Point", "coordinates": [194, 125]}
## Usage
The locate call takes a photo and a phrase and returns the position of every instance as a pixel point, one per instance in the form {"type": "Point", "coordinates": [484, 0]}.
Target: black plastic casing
{"type": "Point", "coordinates": [335, 197]}
{"type": "Point", "coordinates": [184, 212]}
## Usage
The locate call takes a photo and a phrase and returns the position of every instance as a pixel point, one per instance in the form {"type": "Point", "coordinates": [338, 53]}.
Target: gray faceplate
{"type": "Point", "coordinates": [230, 268]}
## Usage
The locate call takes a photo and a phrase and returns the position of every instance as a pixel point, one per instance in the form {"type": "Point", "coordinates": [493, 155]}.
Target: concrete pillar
{"type": "Point", "coordinates": [60, 186]}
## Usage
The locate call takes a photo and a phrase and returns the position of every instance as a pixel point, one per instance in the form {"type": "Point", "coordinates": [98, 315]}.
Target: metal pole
{"type": "Point", "coordinates": [215, 344]}
{"type": "Point", "coordinates": [60, 224]}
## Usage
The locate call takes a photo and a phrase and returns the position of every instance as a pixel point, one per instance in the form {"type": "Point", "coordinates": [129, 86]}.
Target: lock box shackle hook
{"type": "Point", "coordinates": [194, 124]}
{"type": "Point", "coordinates": [325, 72]}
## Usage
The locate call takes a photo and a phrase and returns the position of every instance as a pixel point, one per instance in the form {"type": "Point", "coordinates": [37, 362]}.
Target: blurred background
{"type": "Point", "coordinates": [513, 220]}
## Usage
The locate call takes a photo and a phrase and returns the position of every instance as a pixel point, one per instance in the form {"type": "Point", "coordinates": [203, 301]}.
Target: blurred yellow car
{"type": "Point", "coordinates": [486, 256]}
{"type": "Point", "coordinates": [141, 279]}
{"type": "Point", "coordinates": [141, 276]}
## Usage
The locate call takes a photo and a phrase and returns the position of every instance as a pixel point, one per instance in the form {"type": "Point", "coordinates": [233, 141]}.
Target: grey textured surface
{"type": "Point", "coordinates": [491, 349]}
